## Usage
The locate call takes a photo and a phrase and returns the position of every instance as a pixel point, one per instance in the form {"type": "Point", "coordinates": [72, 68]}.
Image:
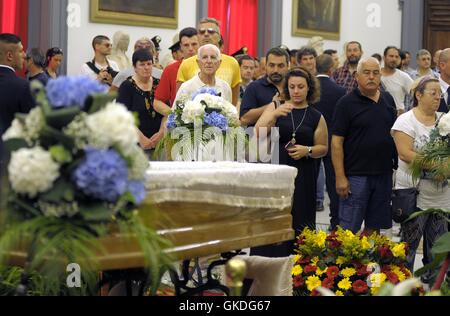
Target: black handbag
{"type": "Point", "coordinates": [404, 203]}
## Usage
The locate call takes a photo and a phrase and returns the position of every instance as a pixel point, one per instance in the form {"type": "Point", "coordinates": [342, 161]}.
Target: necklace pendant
{"type": "Point", "coordinates": [153, 114]}
{"type": "Point", "coordinates": [293, 141]}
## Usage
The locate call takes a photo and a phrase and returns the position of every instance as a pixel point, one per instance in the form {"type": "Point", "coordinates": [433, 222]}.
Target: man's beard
{"type": "Point", "coordinates": [354, 60]}
{"type": "Point", "coordinates": [276, 78]}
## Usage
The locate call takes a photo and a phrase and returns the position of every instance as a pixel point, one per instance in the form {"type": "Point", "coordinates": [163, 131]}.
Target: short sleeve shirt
{"type": "Point", "coordinates": [369, 148]}
{"type": "Point", "coordinates": [229, 70]}
{"type": "Point", "coordinates": [192, 86]}
{"type": "Point", "coordinates": [259, 93]}
{"type": "Point", "coordinates": [167, 88]}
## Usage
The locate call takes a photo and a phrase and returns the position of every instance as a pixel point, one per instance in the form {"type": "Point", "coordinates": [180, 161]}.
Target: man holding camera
{"type": "Point", "coordinates": [100, 67]}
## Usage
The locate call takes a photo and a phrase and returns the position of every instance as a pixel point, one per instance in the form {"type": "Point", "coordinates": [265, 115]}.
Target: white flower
{"type": "Point", "coordinates": [28, 130]}
{"type": "Point", "coordinates": [15, 131]}
{"type": "Point", "coordinates": [191, 111]}
{"type": "Point", "coordinates": [113, 126]}
{"type": "Point", "coordinates": [139, 164]}
{"type": "Point", "coordinates": [78, 130]}
{"type": "Point", "coordinates": [444, 125]}
{"type": "Point", "coordinates": [34, 122]}
{"type": "Point", "coordinates": [32, 171]}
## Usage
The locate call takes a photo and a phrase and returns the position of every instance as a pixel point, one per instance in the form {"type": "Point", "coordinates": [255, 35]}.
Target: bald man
{"type": "Point", "coordinates": [363, 152]}
{"type": "Point", "coordinates": [444, 80]}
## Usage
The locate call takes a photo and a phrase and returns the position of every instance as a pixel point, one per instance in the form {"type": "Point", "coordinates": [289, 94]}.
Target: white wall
{"type": "Point", "coordinates": [354, 26]}
{"type": "Point", "coordinates": [80, 36]}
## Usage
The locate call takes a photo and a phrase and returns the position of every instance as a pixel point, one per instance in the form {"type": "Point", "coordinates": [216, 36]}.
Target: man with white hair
{"type": "Point", "coordinates": [363, 152]}
{"type": "Point", "coordinates": [209, 59]}
{"type": "Point", "coordinates": [229, 70]}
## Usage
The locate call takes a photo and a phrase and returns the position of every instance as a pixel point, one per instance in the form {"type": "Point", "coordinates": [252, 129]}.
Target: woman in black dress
{"type": "Point", "coordinates": [137, 93]}
{"type": "Point", "coordinates": [303, 138]}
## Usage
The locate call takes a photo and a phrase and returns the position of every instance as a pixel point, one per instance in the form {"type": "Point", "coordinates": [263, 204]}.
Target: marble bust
{"type": "Point", "coordinates": [121, 42]}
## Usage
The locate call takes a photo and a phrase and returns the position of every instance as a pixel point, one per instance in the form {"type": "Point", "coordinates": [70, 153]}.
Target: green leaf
{"type": "Point", "coordinates": [441, 245]}
{"type": "Point", "coordinates": [61, 118]}
{"type": "Point", "coordinates": [62, 190]}
{"type": "Point", "coordinates": [51, 136]}
{"type": "Point", "coordinates": [429, 211]}
{"type": "Point", "coordinates": [60, 154]}
{"type": "Point", "coordinates": [96, 102]}
{"type": "Point", "coordinates": [438, 259]}
{"type": "Point", "coordinates": [15, 144]}
{"type": "Point", "coordinates": [25, 206]}
{"type": "Point", "coordinates": [96, 212]}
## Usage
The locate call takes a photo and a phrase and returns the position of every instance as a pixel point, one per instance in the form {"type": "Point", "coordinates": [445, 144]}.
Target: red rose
{"type": "Point", "coordinates": [299, 282]}
{"type": "Point", "coordinates": [360, 287]}
{"type": "Point", "coordinates": [328, 283]}
{"type": "Point", "coordinates": [362, 271]}
{"type": "Point", "coordinates": [310, 269]}
{"type": "Point", "coordinates": [392, 277]}
{"type": "Point", "coordinates": [332, 272]}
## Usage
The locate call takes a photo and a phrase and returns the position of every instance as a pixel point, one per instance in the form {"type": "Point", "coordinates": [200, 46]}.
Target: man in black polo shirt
{"type": "Point", "coordinates": [262, 92]}
{"type": "Point", "coordinates": [363, 152]}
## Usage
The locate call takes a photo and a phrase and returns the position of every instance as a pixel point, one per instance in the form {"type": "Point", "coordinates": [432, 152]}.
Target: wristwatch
{"type": "Point", "coordinates": [310, 151]}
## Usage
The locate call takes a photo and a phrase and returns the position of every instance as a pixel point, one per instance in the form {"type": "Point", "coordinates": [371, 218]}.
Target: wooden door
{"type": "Point", "coordinates": [436, 25]}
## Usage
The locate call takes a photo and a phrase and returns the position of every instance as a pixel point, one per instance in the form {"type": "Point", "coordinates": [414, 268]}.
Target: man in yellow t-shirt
{"type": "Point", "coordinates": [229, 71]}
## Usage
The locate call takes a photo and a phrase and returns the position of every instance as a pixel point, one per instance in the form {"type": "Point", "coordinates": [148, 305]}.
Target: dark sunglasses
{"type": "Point", "coordinates": [210, 31]}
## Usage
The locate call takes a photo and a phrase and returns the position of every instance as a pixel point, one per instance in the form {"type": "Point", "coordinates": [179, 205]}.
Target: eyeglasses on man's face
{"type": "Point", "coordinates": [210, 31]}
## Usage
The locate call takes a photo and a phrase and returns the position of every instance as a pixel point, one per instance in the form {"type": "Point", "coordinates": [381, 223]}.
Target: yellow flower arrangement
{"type": "Point", "coordinates": [347, 264]}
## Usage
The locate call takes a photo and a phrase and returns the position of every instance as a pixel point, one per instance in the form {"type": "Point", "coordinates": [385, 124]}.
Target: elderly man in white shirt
{"type": "Point", "coordinates": [209, 59]}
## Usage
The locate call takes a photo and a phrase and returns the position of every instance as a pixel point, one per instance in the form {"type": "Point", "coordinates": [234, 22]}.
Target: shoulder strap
{"type": "Point", "coordinates": [92, 66]}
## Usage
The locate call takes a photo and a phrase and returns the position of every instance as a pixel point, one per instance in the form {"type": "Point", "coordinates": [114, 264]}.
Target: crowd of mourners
{"type": "Point", "coordinates": [352, 126]}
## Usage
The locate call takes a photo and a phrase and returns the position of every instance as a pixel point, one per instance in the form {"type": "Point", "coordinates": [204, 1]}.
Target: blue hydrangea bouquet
{"type": "Point", "coordinates": [198, 124]}
{"type": "Point", "coordinates": [75, 174]}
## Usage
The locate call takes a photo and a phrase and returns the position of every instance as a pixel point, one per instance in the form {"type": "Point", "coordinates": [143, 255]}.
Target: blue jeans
{"type": "Point", "coordinates": [321, 185]}
{"type": "Point", "coordinates": [369, 202]}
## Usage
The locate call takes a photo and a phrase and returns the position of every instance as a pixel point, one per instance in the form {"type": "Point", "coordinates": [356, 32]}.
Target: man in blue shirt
{"type": "Point", "coordinates": [262, 92]}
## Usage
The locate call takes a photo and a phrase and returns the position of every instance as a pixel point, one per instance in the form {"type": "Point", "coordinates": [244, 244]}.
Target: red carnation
{"type": "Point", "coordinates": [362, 271]}
{"type": "Point", "coordinates": [298, 281]}
{"type": "Point", "coordinates": [333, 244]}
{"type": "Point", "coordinates": [360, 287]}
{"type": "Point", "coordinates": [385, 252]}
{"type": "Point", "coordinates": [385, 269]}
{"type": "Point", "coordinates": [310, 269]}
{"type": "Point", "coordinates": [304, 260]}
{"type": "Point", "coordinates": [392, 277]}
{"type": "Point", "coordinates": [315, 293]}
{"type": "Point", "coordinates": [301, 240]}
{"type": "Point", "coordinates": [328, 283]}
{"type": "Point", "coordinates": [332, 272]}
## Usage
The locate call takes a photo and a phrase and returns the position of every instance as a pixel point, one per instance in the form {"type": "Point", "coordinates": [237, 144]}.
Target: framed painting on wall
{"type": "Point", "coordinates": [316, 18]}
{"type": "Point", "coordinates": [149, 13]}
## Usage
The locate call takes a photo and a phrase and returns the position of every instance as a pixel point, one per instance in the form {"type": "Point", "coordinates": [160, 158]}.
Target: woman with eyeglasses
{"type": "Point", "coordinates": [54, 58]}
{"type": "Point", "coordinates": [411, 132]}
